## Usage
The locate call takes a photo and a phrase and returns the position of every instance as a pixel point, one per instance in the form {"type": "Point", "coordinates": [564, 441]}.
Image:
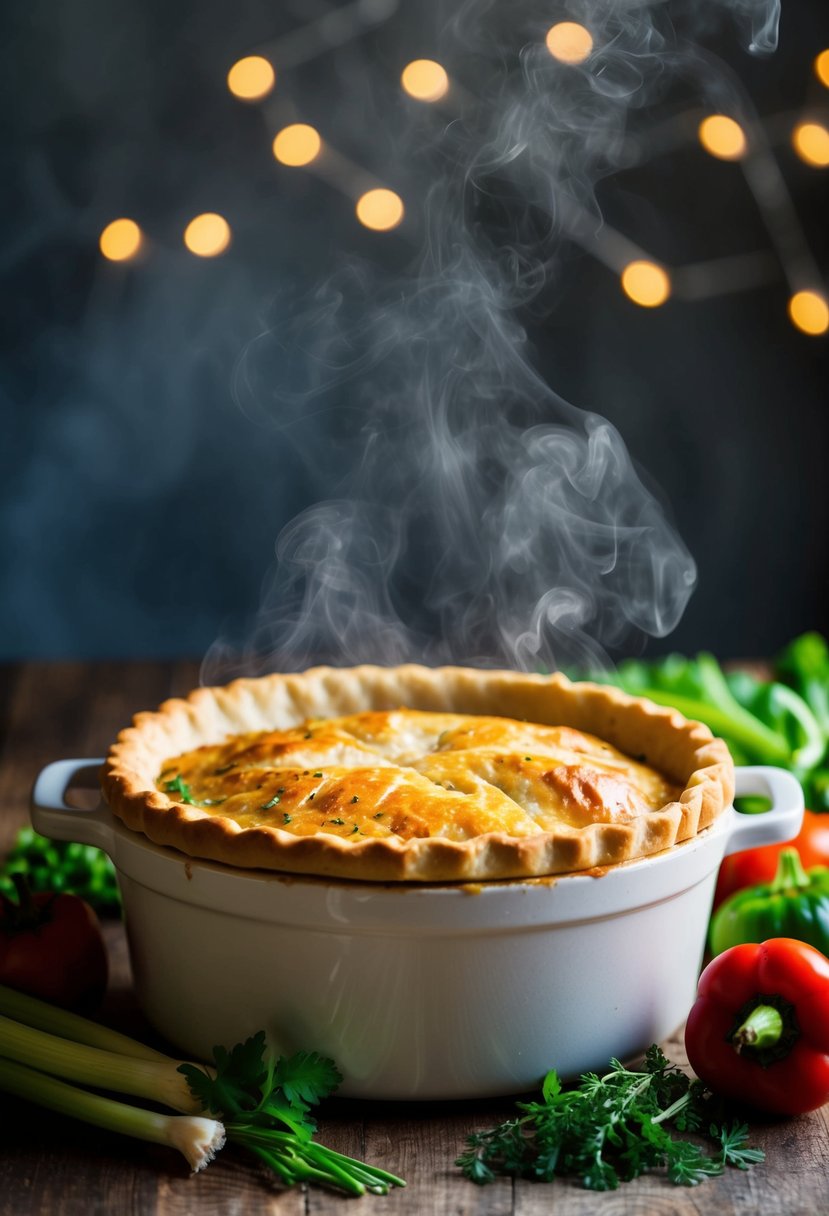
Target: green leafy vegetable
{"type": "Point", "coordinates": [804, 665]}
{"type": "Point", "coordinates": [783, 721]}
{"type": "Point", "coordinates": [240, 1075]}
{"type": "Point", "coordinates": [58, 865]}
{"type": "Point", "coordinates": [306, 1078]}
{"type": "Point", "coordinates": [265, 1106]}
{"type": "Point", "coordinates": [610, 1129]}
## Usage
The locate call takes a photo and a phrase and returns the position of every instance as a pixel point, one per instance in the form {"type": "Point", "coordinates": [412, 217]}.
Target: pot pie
{"type": "Point", "coordinates": [416, 774]}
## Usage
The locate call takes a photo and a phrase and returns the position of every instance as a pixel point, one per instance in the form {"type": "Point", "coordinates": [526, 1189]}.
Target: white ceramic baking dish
{"type": "Point", "coordinates": [419, 991]}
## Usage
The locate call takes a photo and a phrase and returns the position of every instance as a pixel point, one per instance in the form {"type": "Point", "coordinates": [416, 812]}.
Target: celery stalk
{"type": "Point", "coordinates": [197, 1137]}
{"type": "Point", "coordinates": [739, 725]}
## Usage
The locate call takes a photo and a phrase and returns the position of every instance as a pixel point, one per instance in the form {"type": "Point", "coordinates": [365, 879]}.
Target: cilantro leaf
{"type": "Point", "coordinates": [240, 1075]}
{"type": "Point", "coordinates": [307, 1077]}
{"type": "Point", "coordinates": [259, 1098]}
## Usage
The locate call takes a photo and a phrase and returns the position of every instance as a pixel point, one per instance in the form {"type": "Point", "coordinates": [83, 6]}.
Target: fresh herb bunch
{"type": "Point", "coordinates": [611, 1129]}
{"type": "Point", "coordinates": [265, 1104]}
{"type": "Point", "coordinates": [62, 866]}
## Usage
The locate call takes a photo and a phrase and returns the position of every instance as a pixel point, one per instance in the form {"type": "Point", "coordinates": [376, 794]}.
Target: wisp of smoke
{"type": "Point", "coordinates": [474, 516]}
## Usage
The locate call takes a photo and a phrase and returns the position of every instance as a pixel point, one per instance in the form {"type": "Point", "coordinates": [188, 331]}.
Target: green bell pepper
{"type": "Point", "coordinates": [795, 904]}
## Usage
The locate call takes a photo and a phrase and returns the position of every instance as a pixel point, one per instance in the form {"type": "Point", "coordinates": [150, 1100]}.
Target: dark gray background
{"type": "Point", "coordinates": [140, 503]}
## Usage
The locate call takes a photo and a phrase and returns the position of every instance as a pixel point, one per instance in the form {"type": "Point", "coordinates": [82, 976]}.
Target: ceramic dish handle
{"type": "Point", "coordinates": [53, 816]}
{"type": "Point", "coordinates": [781, 822]}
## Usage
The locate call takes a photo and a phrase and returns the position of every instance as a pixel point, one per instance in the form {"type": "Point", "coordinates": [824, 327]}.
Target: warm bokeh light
{"type": "Point", "coordinates": [646, 283]}
{"type": "Point", "coordinates": [120, 240]}
{"type": "Point", "coordinates": [569, 42]}
{"type": "Point", "coordinates": [811, 143]}
{"type": "Point", "coordinates": [251, 78]}
{"type": "Point", "coordinates": [424, 80]}
{"type": "Point", "coordinates": [722, 137]}
{"type": "Point", "coordinates": [207, 235]}
{"type": "Point", "coordinates": [380, 209]}
{"type": "Point", "coordinates": [297, 144]}
{"type": "Point", "coordinates": [809, 311]}
{"type": "Point", "coordinates": [822, 67]}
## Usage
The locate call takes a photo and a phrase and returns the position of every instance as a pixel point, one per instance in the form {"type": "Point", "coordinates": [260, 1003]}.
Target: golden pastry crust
{"type": "Point", "coordinates": [497, 795]}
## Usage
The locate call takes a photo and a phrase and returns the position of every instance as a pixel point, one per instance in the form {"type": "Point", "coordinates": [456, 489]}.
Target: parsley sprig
{"type": "Point", "coordinates": [610, 1129]}
{"type": "Point", "coordinates": [265, 1106]}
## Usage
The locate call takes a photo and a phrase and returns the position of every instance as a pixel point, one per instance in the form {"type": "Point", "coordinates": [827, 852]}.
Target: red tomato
{"type": "Point", "coordinates": [754, 866]}
{"type": "Point", "coordinates": [51, 947]}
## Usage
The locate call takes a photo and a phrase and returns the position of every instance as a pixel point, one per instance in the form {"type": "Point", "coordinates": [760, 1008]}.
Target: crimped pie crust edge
{"type": "Point", "coordinates": [684, 751]}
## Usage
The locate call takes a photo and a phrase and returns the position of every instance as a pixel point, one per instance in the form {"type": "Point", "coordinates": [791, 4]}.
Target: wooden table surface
{"type": "Point", "coordinates": [60, 1167]}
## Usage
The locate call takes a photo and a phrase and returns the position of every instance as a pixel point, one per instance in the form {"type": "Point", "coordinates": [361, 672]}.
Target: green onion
{"type": "Point", "coordinates": [197, 1137]}
{"type": "Point", "coordinates": [251, 1096]}
{"type": "Point", "coordinates": [42, 1016]}
{"type": "Point", "coordinates": [151, 1079]}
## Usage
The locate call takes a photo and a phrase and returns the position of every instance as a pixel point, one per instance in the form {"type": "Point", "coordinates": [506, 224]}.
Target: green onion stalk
{"type": "Point", "coordinates": [152, 1079]}
{"type": "Point", "coordinates": [197, 1137]}
{"type": "Point", "coordinates": [43, 1016]}
{"type": "Point", "coordinates": [38, 1040]}
{"type": "Point", "coordinates": [40, 1043]}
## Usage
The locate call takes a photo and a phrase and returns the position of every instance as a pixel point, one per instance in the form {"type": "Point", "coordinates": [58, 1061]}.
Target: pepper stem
{"type": "Point", "coordinates": [790, 873]}
{"type": "Point", "coordinates": [762, 1028]}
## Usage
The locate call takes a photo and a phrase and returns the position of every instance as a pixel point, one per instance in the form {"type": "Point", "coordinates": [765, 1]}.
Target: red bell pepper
{"type": "Point", "coordinates": [51, 946]}
{"type": "Point", "coordinates": [759, 1031]}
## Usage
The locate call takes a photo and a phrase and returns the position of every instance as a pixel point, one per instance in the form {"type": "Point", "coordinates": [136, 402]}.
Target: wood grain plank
{"type": "Point", "coordinates": [419, 1142]}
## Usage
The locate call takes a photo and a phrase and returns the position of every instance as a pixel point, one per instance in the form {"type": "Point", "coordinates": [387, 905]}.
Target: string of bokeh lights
{"type": "Point", "coordinates": [645, 280]}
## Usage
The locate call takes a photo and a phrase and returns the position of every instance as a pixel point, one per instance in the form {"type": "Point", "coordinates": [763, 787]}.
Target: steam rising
{"type": "Point", "coordinates": [474, 516]}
